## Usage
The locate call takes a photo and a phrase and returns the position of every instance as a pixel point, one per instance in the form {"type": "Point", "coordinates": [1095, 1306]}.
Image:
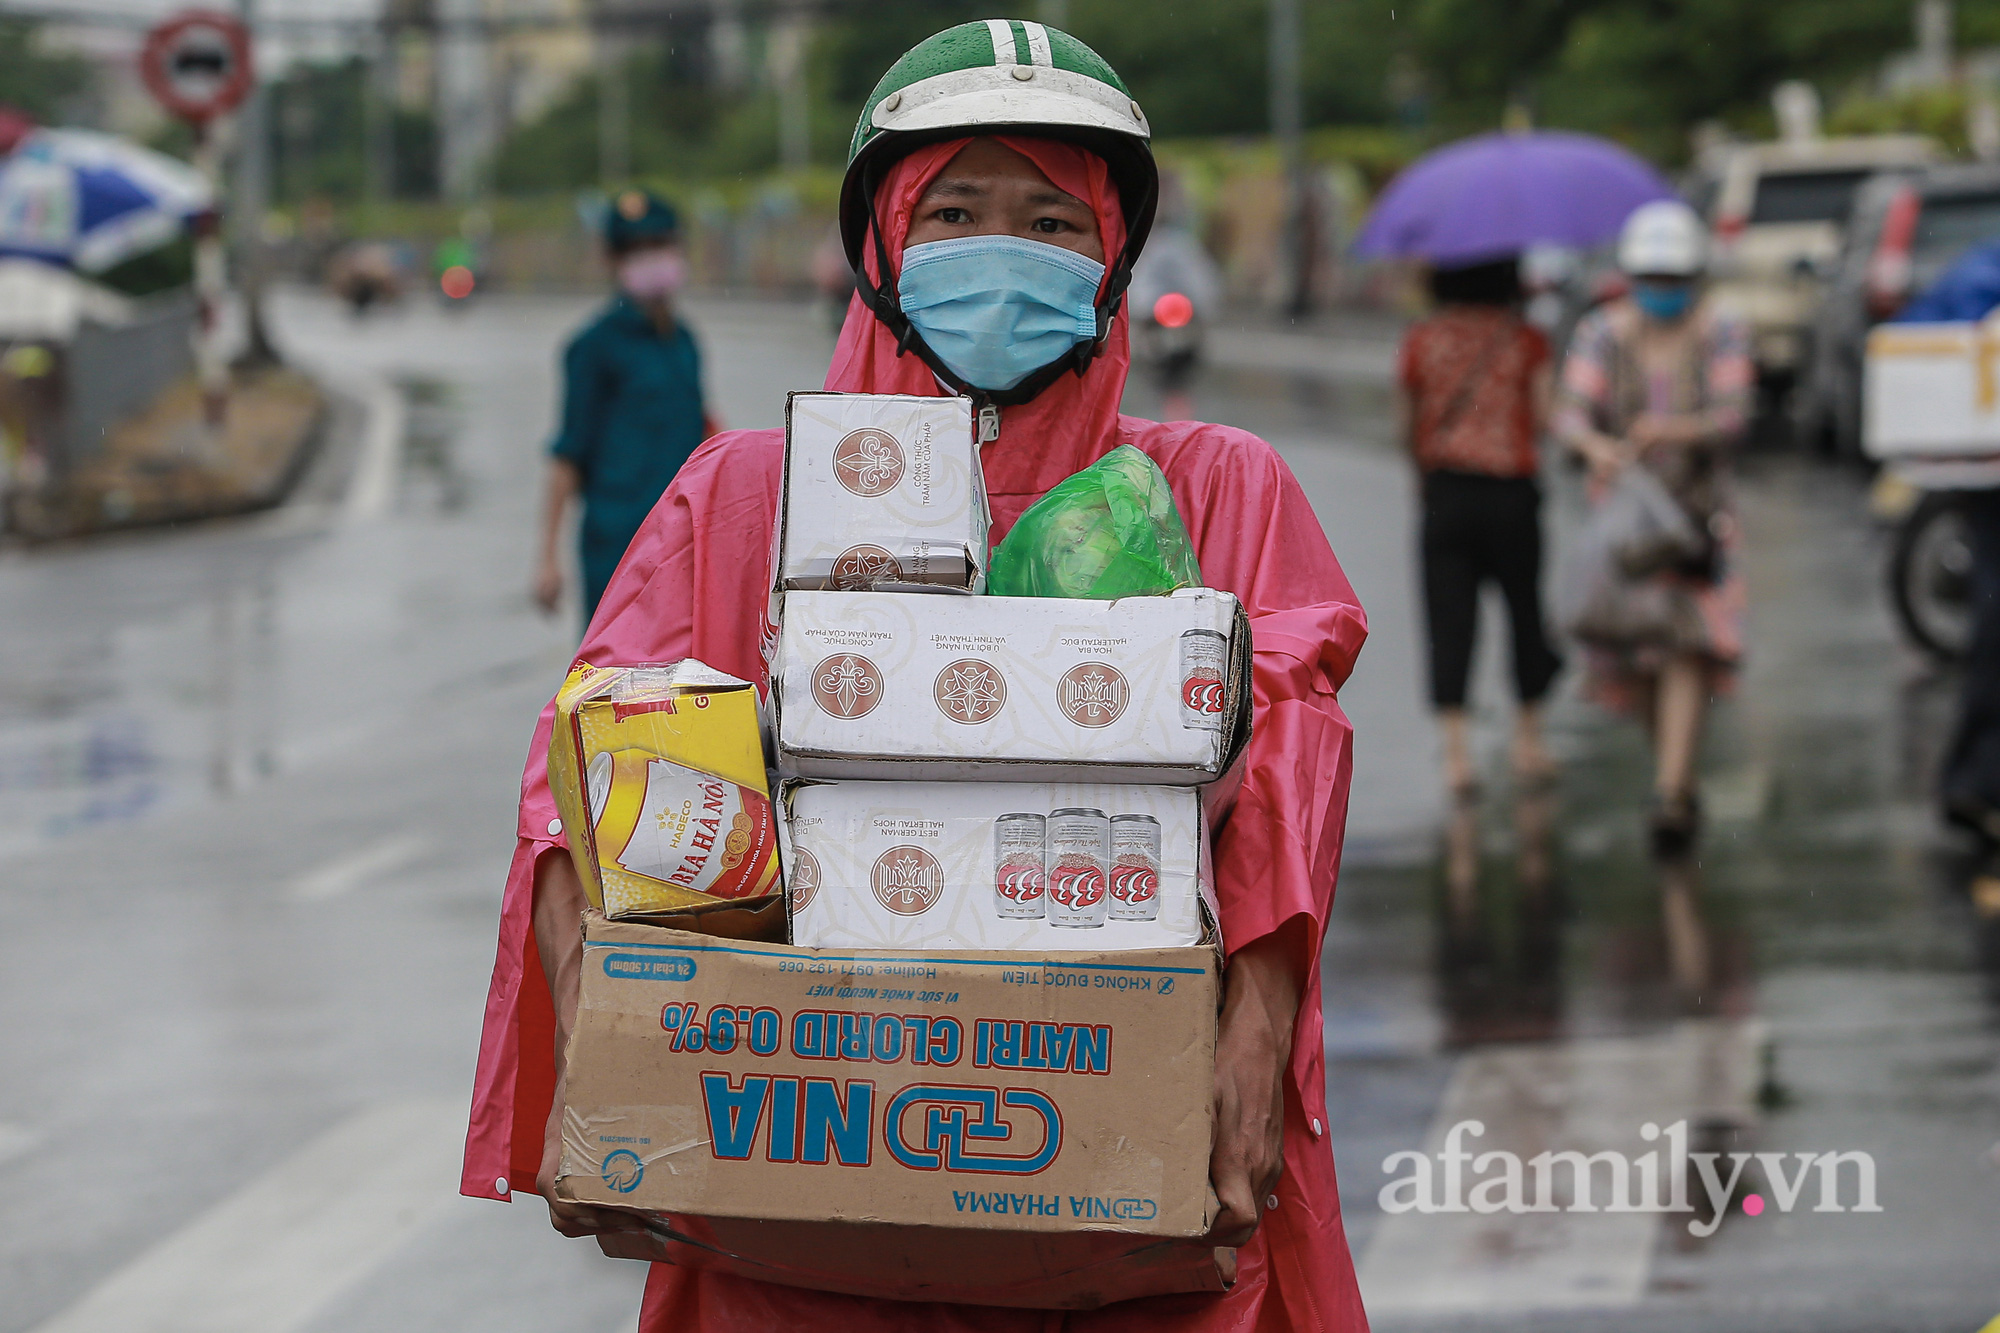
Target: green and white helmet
{"type": "Point", "coordinates": [997, 76]}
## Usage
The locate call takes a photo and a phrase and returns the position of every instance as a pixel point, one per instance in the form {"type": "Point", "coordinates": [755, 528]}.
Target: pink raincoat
{"type": "Point", "coordinates": [693, 584]}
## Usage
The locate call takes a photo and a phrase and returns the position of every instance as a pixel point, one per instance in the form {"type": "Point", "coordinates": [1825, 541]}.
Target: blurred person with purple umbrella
{"type": "Point", "coordinates": [1475, 379]}
{"type": "Point", "coordinates": [1475, 384]}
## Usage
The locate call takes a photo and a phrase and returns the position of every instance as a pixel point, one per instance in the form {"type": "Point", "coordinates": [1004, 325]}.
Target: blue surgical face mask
{"type": "Point", "coordinates": [1664, 300]}
{"type": "Point", "coordinates": [996, 309]}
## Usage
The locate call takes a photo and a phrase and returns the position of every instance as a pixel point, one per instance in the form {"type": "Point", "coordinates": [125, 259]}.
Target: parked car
{"type": "Point", "coordinates": [1779, 211]}
{"type": "Point", "coordinates": [1906, 229]}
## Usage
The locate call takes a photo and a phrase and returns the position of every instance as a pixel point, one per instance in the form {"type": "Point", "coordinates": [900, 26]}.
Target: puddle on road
{"type": "Point", "coordinates": [433, 424]}
{"type": "Point", "coordinates": [152, 674]}
{"type": "Point", "coordinates": [1827, 912]}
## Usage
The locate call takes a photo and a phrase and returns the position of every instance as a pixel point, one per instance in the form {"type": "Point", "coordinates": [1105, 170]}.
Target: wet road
{"type": "Point", "coordinates": [256, 796]}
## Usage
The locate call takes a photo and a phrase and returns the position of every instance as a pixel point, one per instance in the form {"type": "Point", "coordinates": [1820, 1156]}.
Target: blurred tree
{"type": "Point", "coordinates": [1643, 71]}
{"type": "Point", "coordinates": [1197, 67]}
{"type": "Point", "coordinates": [317, 144]}
{"type": "Point", "coordinates": [678, 127]}
{"type": "Point", "coordinates": [315, 125]}
{"type": "Point", "coordinates": [1646, 70]}
{"type": "Point", "coordinates": [47, 87]}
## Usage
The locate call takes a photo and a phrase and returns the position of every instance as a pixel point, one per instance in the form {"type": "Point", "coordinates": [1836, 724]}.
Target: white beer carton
{"type": "Point", "coordinates": [881, 491]}
{"type": "Point", "coordinates": [1029, 689]}
{"type": "Point", "coordinates": [942, 865]}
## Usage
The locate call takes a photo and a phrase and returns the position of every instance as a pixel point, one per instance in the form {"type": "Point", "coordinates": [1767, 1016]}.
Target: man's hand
{"type": "Point", "coordinates": [1253, 1046]}
{"type": "Point", "coordinates": [548, 586]}
{"type": "Point", "coordinates": [1607, 457]}
{"type": "Point", "coordinates": [563, 485]}
{"type": "Point", "coordinates": [1654, 430]}
{"type": "Point", "coordinates": [558, 913]}
{"type": "Point", "coordinates": [579, 1219]}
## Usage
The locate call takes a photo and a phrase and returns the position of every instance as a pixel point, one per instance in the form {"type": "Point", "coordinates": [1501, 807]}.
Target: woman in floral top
{"type": "Point", "coordinates": [1662, 380]}
{"type": "Point", "coordinates": [1475, 382]}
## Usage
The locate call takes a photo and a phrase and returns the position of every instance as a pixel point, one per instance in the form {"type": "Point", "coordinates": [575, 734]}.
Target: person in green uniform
{"type": "Point", "coordinates": [632, 402]}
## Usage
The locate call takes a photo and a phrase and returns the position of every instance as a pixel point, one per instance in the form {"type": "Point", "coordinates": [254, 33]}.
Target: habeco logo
{"type": "Point", "coordinates": [859, 568]}
{"type": "Point", "coordinates": [1631, 1185]}
{"type": "Point", "coordinates": [1093, 694]}
{"type": "Point", "coordinates": [907, 880]}
{"type": "Point", "coordinates": [847, 685]}
{"type": "Point", "coordinates": [970, 691]}
{"type": "Point", "coordinates": [868, 462]}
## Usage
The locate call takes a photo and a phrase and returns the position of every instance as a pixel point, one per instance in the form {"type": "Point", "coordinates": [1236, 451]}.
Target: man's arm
{"type": "Point", "coordinates": [559, 904]}
{"type": "Point", "coordinates": [1253, 1048]}
{"type": "Point", "coordinates": [564, 482]}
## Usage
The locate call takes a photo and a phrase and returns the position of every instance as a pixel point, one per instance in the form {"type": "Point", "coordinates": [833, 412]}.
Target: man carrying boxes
{"type": "Point", "coordinates": [999, 189]}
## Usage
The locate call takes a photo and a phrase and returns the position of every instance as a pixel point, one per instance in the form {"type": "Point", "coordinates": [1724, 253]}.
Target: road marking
{"type": "Point", "coordinates": [345, 873]}
{"type": "Point", "coordinates": [1590, 1096]}
{"type": "Point", "coordinates": [15, 1140]}
{"type": "Point", "coordinates": [373, 486]}
{"type": "Point", "coordinates": [273, 1255]}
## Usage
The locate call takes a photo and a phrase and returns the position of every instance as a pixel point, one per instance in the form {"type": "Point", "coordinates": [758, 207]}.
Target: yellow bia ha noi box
{"type": "Point", "coordinates": [658, 772]}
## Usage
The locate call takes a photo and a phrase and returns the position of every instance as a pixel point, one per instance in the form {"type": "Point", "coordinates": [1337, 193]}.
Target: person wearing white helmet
{"type": "Point", "coordinates": [1661, 381]}
{"type": "Point", "coordinates": [1000, 185]}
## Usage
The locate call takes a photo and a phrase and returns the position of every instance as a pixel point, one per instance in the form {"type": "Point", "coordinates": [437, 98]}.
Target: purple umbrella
{"type": "Point", "coordinates": [1497, 194]}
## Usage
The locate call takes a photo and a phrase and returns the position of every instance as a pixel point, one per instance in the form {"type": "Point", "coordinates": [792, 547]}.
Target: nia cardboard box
{"type": "Point", "coordinates": [658, 773]}
{"type": "Point", "coordinates": [1143, 689]}
{"type": "Point", "coordinates": [933, 1125]}
{"type": "Point", "coordinates": [881, 491]}
{"type": "Point", "coordinates": [994, 865]}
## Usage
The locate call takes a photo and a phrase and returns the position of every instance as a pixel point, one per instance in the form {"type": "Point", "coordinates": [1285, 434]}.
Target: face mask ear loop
{"type": "Point", "coordinates": [883, 302]}
{"type": "Point", "coordinates": [1107, 310]}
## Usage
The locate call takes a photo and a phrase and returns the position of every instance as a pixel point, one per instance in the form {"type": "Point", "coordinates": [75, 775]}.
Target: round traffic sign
{"type": "Point", "coordinates": [197, 63]}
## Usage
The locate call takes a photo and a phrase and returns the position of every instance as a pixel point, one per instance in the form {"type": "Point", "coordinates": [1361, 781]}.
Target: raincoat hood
{"type": "Point", "coordinates": [1070, 423]}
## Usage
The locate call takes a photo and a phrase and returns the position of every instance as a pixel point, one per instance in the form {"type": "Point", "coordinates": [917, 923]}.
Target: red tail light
{"type": "Point", "coordinates": [1889, 267]}
{"type": "Point", "coordinates": [457, 282]}
{"type": "Point", "coordinates": [1729, 226]}
{"type": "Point", "coordinates": [1172, 311]}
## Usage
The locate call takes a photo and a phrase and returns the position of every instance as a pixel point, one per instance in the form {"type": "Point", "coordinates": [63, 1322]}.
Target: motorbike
{"type": "Point", "coordinates": [1175, 287]}
{"type": "Point", "coordinates": [1930, 568]}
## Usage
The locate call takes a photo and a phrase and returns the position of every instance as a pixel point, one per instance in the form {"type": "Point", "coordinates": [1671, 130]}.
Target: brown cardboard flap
{"type": "Point", "coordinates": [1078, 1271]}
{"type": "Point", "coordinates": [760, 919]}
{"type": "Point", "coordinates": [1239, 694]}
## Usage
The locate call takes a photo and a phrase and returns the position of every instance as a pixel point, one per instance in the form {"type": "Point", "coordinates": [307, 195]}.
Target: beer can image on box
{"type": "Point", "coordinates": [1135, 868]}
{"type": "Point", "coordinates": [1204, 660]}
{"type": "Point", "coordinates": [1079, 867]}
{"type": "Point", "coordinates": [1020, 867]}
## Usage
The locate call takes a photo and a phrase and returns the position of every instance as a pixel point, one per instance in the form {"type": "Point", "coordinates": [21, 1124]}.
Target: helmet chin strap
{"type": "Point", "coordinates": [889, 310]}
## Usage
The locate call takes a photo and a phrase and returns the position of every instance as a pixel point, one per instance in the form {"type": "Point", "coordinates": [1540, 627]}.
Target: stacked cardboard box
{"type": "Point", "coordinates": [978, 1067]}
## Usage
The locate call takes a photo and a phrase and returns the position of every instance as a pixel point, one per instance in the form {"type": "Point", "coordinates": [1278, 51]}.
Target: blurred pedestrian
{"type": "Point", "coordinates": [632, 402]}
{"type": "Point", "coordinates": [1972, 767]}
{"type": "Point", "coordinates": [1661, 380]}
{"type": "Point", "coordinates": [1476, 383]}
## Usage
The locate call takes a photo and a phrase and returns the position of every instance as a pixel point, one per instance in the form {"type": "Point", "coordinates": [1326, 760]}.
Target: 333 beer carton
{"type": "Point", "coordinates": [993, 865]}
{"type": "Point", "coordinates": [1144, 689]}
{"type": "Point", "coordinates": [658, 772]}
{"type": "Point", "coordinates": [914, 1121]}
{"type": "Point", "coordinates": [881, 491]}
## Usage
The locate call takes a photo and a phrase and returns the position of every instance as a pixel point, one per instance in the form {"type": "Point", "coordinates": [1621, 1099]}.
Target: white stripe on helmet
{"type": "Point", "coordinates": [1003, 41]}
{"type": "Point", "coordinates": [1038, 44]}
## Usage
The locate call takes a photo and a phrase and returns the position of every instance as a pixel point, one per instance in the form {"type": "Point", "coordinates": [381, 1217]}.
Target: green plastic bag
{"type": "Point", "coordinates": [1110, 531]}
